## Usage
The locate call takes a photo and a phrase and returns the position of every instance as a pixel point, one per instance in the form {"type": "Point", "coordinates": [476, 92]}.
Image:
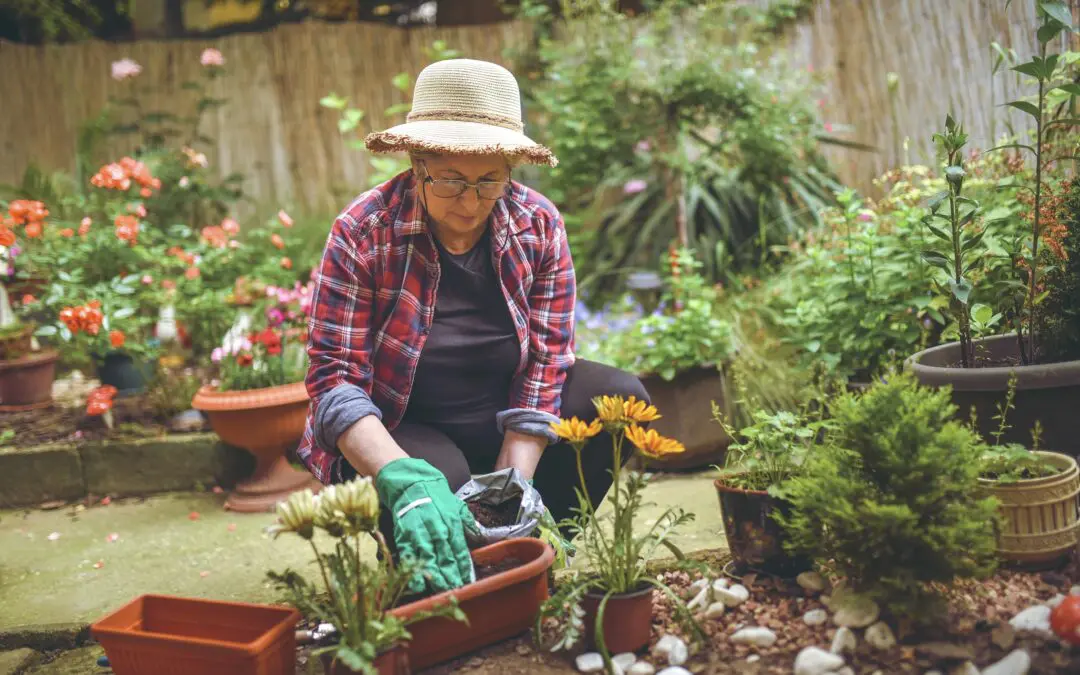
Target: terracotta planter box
{"type": "Point", "coordinates": [627, 620]}
{"type": "Point", "coordinates": [756, 540]}
{"type": "Point", "coordinates": [164, 635]}
{"type": "Point", "coordinates": [267, 423]}
{"type": "Point", "coordinates": [685, 405]}
{"type": "Point", "coordinates": [499, 607]}
{"type": "Point", "coordinates": [26, 383]}
{"type": "Point", "coordinates": [1041, 515]}
{"type": "Point", "coordinates": [1049, 392]}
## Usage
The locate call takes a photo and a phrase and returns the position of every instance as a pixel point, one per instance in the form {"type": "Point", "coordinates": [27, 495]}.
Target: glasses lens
{"type": "Point", "coordinates": [492, 190]}
{"type": "Point", "coordinates": [447, 188]}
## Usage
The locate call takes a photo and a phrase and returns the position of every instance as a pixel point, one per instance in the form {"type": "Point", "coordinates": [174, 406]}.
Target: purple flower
{"type": "Point", "coordinates": [642, 146]}
{"type": "Point", "coordinates": [274, 316]}
{"type": "Point", "coordinates": [866, 216]}
{"type": "Point", "coordinates": [217, 355]}
{"type": "Point", "coordinates": [634, 186]}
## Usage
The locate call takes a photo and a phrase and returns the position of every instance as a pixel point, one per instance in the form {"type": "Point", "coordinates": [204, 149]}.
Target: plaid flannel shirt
{"type": "Point", "coordinates": [374, 301]}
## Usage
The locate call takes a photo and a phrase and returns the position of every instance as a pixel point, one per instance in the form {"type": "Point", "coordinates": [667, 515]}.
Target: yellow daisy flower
{"type": "Point", "coordinates": [639, 411]}
{"type": "Point", "coordinates": [576, 431]}
{"type": "Point", "coordinates": [653, 444]}
{"type": "Point", "coordinates": [610, 409]}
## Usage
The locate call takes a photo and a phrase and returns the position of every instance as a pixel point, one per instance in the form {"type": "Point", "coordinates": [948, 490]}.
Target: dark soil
{"type": "Point", "coordinates": [496, 516]}
{"type": "Point", "coordinates": [132, 419]}
{"type": "Point", "coordinates": [485, 571]}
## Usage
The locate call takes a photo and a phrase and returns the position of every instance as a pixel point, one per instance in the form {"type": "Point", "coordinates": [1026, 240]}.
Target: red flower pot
{"type": "Point", "coordinates": [164, 635]}
{"type": "Point", "coordinates": [26, 382]}
{"type": "Point", "coordinates": [394, 661]}
{"type": "Point", "coordinates": [627, 620]}
{"type": "Point", "coordinates": [266, 422]}
{"type": "Point", "coordinates": [499, 607]}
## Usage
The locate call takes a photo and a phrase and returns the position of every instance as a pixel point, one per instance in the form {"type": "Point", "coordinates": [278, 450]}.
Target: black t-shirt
{"type": "Point", "coordinates": [472, 351]}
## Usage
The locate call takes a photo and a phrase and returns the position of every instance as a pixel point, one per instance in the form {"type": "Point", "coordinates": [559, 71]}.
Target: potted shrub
{"type": "Point", "coordinates": [611, 603]}
{"type": "Point", "coordinates": [358, 594]}
{"type": "Point", "coordinates": [260, 405]}
{"type": "Point", "coordinates": [26, 371]}
{"type": "Point", "coordinates": [1039, 493]}
{"type": "Point", "coordinates": [1040, 305]}
{"type": "Point", "coordinates": [751, 487]}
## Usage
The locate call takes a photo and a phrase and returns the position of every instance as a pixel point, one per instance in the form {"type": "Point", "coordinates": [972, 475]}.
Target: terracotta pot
{"type": "Point", "coordinates": [394, 661]}
{"type": "Point", "coordinates": [267, 423]}
{"type": "Point", "coordinates": [1048, 392]}
{"type": "Point", "coordinates": [685, 405]}
{"type": "Point", "coordinates": [1041, 515]}
{"type": "Point", "coordinates": [756, 540]}
{"type": "Point", "coordinates": [26, 383]}
{"type": "Point", "coordinates": [499, 607]}
{"type": "Point", "coordinates": [165, 635]}
{"type": "Point", "coordinates": [627, 620]}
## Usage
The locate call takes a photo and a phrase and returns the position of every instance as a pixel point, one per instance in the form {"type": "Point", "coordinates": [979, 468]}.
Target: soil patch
{"type": "Point", "coordinates": [501, 515]}
{"type": "Point", "coordinates": [133, 418]}
{"type": "Point", "coordinates": [485, 571]}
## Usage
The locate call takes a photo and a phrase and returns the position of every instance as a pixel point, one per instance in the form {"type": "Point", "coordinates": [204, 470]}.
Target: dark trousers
{"type": "Point", "coordinates": [459, 452]}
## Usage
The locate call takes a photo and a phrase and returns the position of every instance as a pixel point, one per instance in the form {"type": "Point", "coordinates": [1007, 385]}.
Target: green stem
{"type": "Point", "coordinates": [965, 331]}
{"type": "Point", "coordinates": [1032, 327]}
{"type": "Point", "coordinates": [322, 568]}
{"type": "Point", "coordinates": [581, 477]}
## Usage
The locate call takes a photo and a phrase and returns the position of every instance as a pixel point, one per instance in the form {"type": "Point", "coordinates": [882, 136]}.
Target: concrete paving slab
{"type": "Point", "coordinates": [18, 661]}
{"type": "Point", "coordinates": [82, 661]}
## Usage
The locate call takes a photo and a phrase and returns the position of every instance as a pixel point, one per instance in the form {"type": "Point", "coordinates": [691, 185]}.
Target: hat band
{"type": "Point", "coordinates": [462, 116]}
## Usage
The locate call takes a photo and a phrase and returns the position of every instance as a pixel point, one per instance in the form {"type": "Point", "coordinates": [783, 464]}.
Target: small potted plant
{"type": "Point", "coordinates": [359, 594]}
{"type": "Point", "coordinates": [260, 404]}
{"type": "Point", "coordinates": [612, 602]}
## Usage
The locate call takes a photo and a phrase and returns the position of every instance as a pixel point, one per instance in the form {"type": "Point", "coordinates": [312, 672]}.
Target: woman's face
{"type": "Point", "coordinates": [466, 212]}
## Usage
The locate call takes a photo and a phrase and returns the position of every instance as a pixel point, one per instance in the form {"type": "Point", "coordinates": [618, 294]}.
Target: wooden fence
{"type": "Point", "coordinates": [274, 131]}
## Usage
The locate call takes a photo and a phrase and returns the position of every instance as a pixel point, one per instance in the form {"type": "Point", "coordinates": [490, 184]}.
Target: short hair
{"type": "Point", "coordinates": [512, 161]}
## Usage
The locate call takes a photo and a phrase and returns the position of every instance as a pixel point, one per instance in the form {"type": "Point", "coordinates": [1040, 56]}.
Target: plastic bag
{"type": "Point", "coordinates": [494, 489]}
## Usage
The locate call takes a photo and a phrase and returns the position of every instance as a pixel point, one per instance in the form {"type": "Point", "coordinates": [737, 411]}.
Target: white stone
{"type": "Point", "coordinates": [811, 581]}
{"type": "Point", "coordinates": [815, 661]}
{"type": "Point", "coordinates": [826, 600]}
{"type": "Point", "coordinates": [1017, 662]}
{"type": "Point", "coordinates": [1035, 619]}
{"type": "Point", "coordinates": [675, 670]}
{"type": "Point", "coordinates": [759, 636]}
{"type": "Point", "coordinates": [1075, 590]}
{"type": "Point", "coordinates": [679, 654]}
{"type": "Point", "coordinates": [933, 672]}
{"type": "Point", "coordinates": [698, 585]}
{"type": "Point", "coordinates": [854, 611]}
{"type": "Point", "coordinates": [880, 636]}
{"type": "Point", "coordinates": [815, 617]}
{"type": "Point", "coordinates": [965, 668]}
{"type": "Point", "coordinates": [715, 610]}
{"type": "Point", "coordinates": [1055, 601]}
{"type": "Point", "coordinates": [844, 641]}
{"type": "Point", "coordinates": [753, 658]}
{"type": "Point", "coordinates": [700, 600]}
{"type": "Point", "coordinates": [624, 660]}
{"type": "Point", "coordinates": [734, 596]}
{"type": "Point", "coordinates": [846, 670]}
{"type": "Point", "coordinates": [720, 583]}
{"type": "Point", "coordinates": [663, 646]}
{"type": "Point", "coordinates": [641, 668]}
{"type": "Point", "coordinates": [590, 662]}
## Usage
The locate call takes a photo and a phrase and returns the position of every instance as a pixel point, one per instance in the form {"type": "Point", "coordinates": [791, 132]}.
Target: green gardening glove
{"type": "Point", "coordinates": [429, 523]}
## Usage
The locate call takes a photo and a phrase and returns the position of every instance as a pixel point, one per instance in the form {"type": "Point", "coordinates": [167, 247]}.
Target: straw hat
{"type": "Point", "coordinates": [463, 107]}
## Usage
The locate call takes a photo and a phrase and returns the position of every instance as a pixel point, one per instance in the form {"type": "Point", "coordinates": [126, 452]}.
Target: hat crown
{"type": "Point", "coordinates": [466, 90]}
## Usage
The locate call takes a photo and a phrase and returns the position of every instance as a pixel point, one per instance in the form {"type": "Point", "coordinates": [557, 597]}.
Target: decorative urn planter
{"type": "Point", "coordinates": [756, 540]}
{"type": "Point", "coordinates": [266, 422]}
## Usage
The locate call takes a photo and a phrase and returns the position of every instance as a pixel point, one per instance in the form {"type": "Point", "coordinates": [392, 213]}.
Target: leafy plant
{"type": "Point", "coordinates": [357, 594]}
{"type": "Point", "coordinates": [616, 556]}
{"type": "Point", "coordinates": [891, 499]}
{"type": "Point", "coordinates": [1062, 305]}
{"type": "Point", "coordinates": [1010, 462]}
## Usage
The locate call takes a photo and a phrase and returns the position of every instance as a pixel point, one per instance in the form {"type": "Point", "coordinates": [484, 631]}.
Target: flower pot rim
{"type": "Point", "coordinates": [209, 399]}
{"type": "Point", "coordinates": [44, 355]}
{"type": "Point", "coordinates": [996, 378]}
{"type": "Point", "coordinates": [721, 486]}
{"type": "Point", "coordinates": [114, 625]}
{"type": "Point", "coordinates": [1068, 461]}
{"type": "Point", "coordinates": [599, 595]}
{"type": "Point", "coordinates": [499, 550]}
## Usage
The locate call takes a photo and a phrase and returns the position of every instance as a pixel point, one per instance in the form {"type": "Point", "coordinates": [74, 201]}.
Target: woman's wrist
{"type": "Point", "coordinates": [521, 451]}
{"type": "Point", "coordinates": [368, 446]}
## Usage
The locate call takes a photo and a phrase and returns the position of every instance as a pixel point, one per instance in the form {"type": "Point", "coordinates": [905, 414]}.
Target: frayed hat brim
{"type": "Point", "coordinates": [459, 138]}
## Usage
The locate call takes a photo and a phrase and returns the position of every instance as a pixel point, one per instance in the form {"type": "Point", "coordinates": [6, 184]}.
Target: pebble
{"type": "Point", "coordinates": [844, 641]}
{"type": "Point", "coordinates": [666, 645]}
{"type": "Point", "coordinates": [854, 611]}
{"type": "Point", "coordinates": [590, 662]}
{"type": "Point", "coordinates": [715, 610]}
{"type": "Point", "coordinates": [815, 661]}
{"type": "Point", "coordinates": [1017, 662]}
{"type": "Point", "coordinates": [880, 636]}
{"type": "Point", "coordinates": [753, 658]}
{"type": "Point", "coordinates": [754, 635]}
{"type": "Point", "coordinates": [624, 660]}
{"type": "Point", "coordinates": [679, 653]}
{"type": "Point", "coordinates": [189, 420]}
{"type": "Point", "coordinates": [675, 670]}
{"type": "Point", "coordinates": [1055, 601]}
{"type": "Point", "coordinates": [846, 670]}
{"type": "Point", "coordinates": [698, 585]}
{"type": "Point", "coordinates": [641, 668]}
{"type": "Point", "coordinates": [1003, 635]}
{"type": "Point", "coordinates": [811, 581]}
{"type": "Point", "coordinates": [1035, 619]}
{"type": "Point", "coordinates": [933, 672]}
{"type": "Point", "coordinates": [720, 584]}
{"type": "Point", "coordinates": [815, 617]}
{"type": "Point", "coordinates": [700, 600]}
{"type": "Point", "coordinates": [734, 596]}
{"type": "Point", "coordinates": [1075, 590]}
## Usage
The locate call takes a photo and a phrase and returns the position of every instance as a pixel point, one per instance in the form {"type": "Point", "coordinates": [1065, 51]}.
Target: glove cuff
{"type": "Point", "coordinates": [399, 475]}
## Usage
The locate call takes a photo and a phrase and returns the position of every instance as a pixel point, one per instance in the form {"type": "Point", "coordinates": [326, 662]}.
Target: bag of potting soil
{"type": "Point", "coordinates": [504, 504]}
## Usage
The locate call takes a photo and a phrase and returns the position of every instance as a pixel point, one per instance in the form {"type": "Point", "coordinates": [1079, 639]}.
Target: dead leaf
{"type": "Point", "coordinates": [99, 564]}
{"type": "Point", "coordinates": [105, 501]}
{"type": "Point", "coordinates": [194, 515]}
{"type": "Point", "coordinates": [232, 527]}
{"type": "Point", "coordinates": [749, 579]}
{"type": "Point", "coordinates": [52, 504]}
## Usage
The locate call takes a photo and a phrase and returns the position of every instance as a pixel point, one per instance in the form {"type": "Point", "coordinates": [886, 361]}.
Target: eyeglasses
{"type": "Point", "coordinates": [449, 189]}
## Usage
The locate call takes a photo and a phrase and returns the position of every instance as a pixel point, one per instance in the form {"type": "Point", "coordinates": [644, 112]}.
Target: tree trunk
{"type": "Point", "coordinates": [470, 12]}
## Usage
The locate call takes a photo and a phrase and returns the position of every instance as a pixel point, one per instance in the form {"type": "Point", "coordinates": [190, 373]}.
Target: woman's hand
{"type": "Point", "coordinates": [520, 451]}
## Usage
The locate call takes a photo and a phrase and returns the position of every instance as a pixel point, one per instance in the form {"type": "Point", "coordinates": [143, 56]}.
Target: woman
{"type": "Point", "coordinates": [442, 326]}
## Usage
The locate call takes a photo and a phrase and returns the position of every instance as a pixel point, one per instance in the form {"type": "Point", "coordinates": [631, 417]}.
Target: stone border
{"type": "Point", "coordinates": [70, 471]}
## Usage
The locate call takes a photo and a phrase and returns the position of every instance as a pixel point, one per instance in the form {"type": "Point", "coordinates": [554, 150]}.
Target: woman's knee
{"type": "Point", "coordinates": [588, 380]}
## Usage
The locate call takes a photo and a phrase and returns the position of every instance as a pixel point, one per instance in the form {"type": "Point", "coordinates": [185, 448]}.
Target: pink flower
{"type": "Point", "coordinates": [185, 181]}
{"type": "Point", "coordinates": [230, 226]}
{"type": "Point", "coordinates": [634, 186]}
{"type": "Point", "coordinates": [274, 316]}
{"type": "Point", "coordinates": [642, 146]}
{"type": "Point", "coordinates": [866, 216]}
{"type": "Point", "coordinates": [285, 219]}
{"type": "Point", "coordinates": [124, 69]}
{"type": "Point", "coordinates": [212, 57]}
{"type": "Point", "coordinates": [234, 244]}
{"type": "Point", "coordinates": [217, 355]}
{"type": "Point", "coordinates": [828, 127]}
{"type": "Point", "coordinates": [147, 279]}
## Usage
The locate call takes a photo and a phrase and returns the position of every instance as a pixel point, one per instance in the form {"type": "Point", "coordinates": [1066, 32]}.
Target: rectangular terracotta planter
{"type": "Point", "coordinates": [165, 635]}
{"type": "Point", "coordinates": [499, 607]}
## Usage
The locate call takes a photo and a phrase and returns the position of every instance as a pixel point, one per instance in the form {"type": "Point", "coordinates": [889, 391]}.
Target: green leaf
{"type": "Point", "coordinates": [1029, 108]}
{"type": "Point", "coordinates": [1072, 121]}
{"type": "Point", "coordinates": [123, 313]}
{"type": "Point", "coordinates": [333, 101]}
{"type": "Point", "coordinates": [961, 290]}
{"type": "Point", "coordinates": [981, 313]}
{"type": "Point", "coordinates": [401, 82]}
{"type": "Point", "coordinates": [1049, 31]}
{"type": "Point", "coordinates": [936, 200]}
{"type": "Point", "coordinates": [1030, 68]}
{"type": "Point", "coordinates": [972, 242]}
{"type": "Point", "coordinates": [936, 259]}
{"type": "Point", "coordinates": [813, 346]}
{"type": "Point", "coordinates": [1072, 88]}
{"type": "Point", "coordinates": [998, 213]}
{"type": "Point", "coordinates": [1059, 11]}
{"type": "Point", "coordinates": [938, 232]}
{"type": "Point", "coordinates": [46, 331]}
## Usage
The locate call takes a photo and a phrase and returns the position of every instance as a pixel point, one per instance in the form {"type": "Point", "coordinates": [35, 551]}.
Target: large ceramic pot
{"type": "Point", "coordinates": [685, 405]}
{"type": "Point", "coordinates": [1041, 516]}
{"type": "Point", "coordinates": [167, 635]}
{"type": "Point", "coordinates": [627, 620]}
{"type": "Point", "coordinates": [26, 382]}
{"type": "Point", "coordinates": [1049, 393]}
{"type": "Point", "coordinates": [267, 423]}
{"type": "Point", "coordinates": [755, 538]}
{"type": "Point", "coordinates": [393, 661]}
